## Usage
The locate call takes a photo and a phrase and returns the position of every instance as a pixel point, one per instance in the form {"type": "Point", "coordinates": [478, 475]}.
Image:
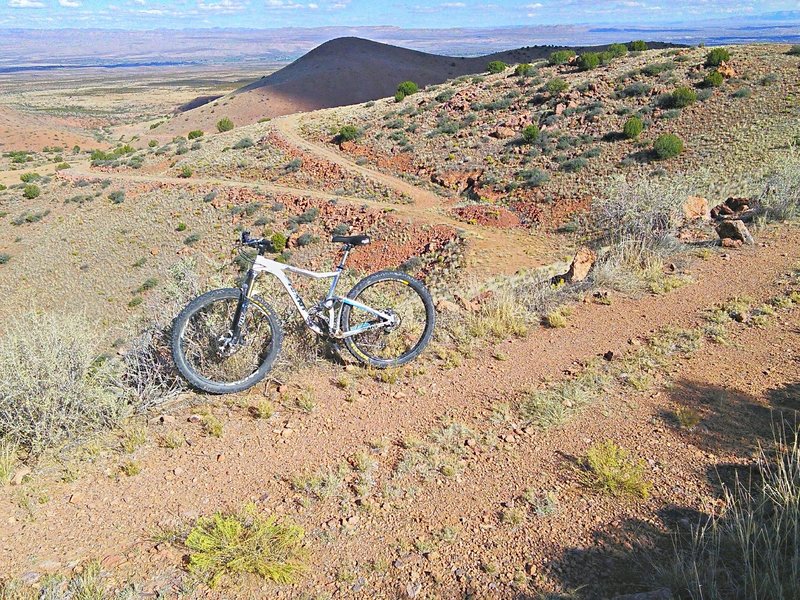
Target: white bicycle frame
{"type": "Point", "coordinates": [329, 303]}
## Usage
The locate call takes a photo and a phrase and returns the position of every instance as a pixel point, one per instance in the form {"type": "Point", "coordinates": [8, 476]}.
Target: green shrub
{"type": "Point", "coordinates": [278, 242]}
{"type": "Point", "coordinates": [556, 86]}
{"type": "Point", "coordinates": [533, 178]}
{"type": "Point", "coordinates": [28, 177]}
{"type": "Point", "coordinates": [617, 50]}
{"type": "Point", "coordinates": [181, 227]}
{"type": "Point", "coordinates": [744, 92]}
{"type": "Point", "coordinates": [194, 134]}
{"type": "Point", "coordinates": [588, 61]}
{"type": "Point", "coordinates": [224, 124]}
{"type": "Point", "coordinates": [682, 97]}
{"type": "Point", "coordinates": [306, 239]}
{"type": "Point", "coordinates": [245, 142]}
{"type": "Point", "coordinates": [3, 188]}
{"type": "Point", "coordinates": [658, 68]}
{"type": "Point", "coordinates": [561, 57]}
{"type": "Point", "coordinates": [635, 90]}
{"type": "Point", "coordinates": [713, 80]}
{"type": "Point", "coordinates": [406, 88]}
{"type": "Point", "coordinates": [152, 143]}
{"type": "Point", "coordinates": [309, 215]}
{"type": "Point", "coordinates": [31, 191]}
{"type": "Point", "coordinates": [191, 239]}
{"type": "Point", "coordinates": [496, 66]}
{"type": "Point", "coordinates": [794, 51]}
{"type": "Point", "coordinates": [348, 133]}
{"type": "Point", "coordinates": [574, 165]}
{"type": "Point", "coordinates": [611, 469]}
{"type": "Point", "coordinates": [247, 542]}
{"type": "Point", "coordinates": [54, 385]}
{"type": "Point", "coordinates": [4, 258]}
{"type": "Point", "coordinates": [62, 166]}
{"type": "Point", "coordinates": [667, 146]}
{"type": "Point", "coordinates": [638, 46]}
{"type": "Point", "coordinates": [524, 70]}
{"type": "Point", "coordinates": [530, 134]}
{"type": "Point", "coordinates": [717, 56]}
{"type": "Point", "coordinates": [186, 172]}
{"type": "Point", "coordinates": [633, 128]}
{"type": "Point", "coordinates": [117, 197]}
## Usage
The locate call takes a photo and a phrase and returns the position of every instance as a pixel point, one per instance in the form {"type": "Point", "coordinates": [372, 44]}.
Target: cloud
{"type": "Point", "coordinates": [25, 4]}
{"type": "Point", "coordinates": [69, 3]}
{"type": "Point", "coordinates": [222, 6]}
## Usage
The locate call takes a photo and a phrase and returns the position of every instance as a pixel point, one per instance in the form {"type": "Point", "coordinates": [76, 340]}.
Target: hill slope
{"type": "Point", "coordinates": [342, 71]}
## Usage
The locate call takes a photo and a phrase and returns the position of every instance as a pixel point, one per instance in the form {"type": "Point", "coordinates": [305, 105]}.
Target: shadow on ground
{"type": "Point", "coordinates": [625, 558]}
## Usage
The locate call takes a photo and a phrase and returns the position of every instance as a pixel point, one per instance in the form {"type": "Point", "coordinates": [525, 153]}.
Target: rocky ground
{"type": "Point", "coordinates": [442, 479]}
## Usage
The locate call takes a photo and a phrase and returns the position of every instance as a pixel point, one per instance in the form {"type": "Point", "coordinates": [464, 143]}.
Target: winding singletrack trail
{"type": "Point", "coordinates": [493, 251]}
{"type": "Point", "coordinates": [511, 249]}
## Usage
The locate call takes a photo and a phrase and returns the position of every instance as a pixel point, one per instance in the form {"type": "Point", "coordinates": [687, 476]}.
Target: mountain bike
{"type": "Point", "coordinates": [227, 340]}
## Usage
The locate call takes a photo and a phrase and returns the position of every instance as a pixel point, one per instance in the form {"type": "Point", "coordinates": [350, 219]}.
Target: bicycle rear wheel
{"type": "Point", "coordinates": [405, 298]}
{"type": "Point", "coordinates": [206, 353]}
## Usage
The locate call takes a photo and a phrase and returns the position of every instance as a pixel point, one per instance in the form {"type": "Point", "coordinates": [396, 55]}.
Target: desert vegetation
{"type": "Point", "coordinates": [568, 423]}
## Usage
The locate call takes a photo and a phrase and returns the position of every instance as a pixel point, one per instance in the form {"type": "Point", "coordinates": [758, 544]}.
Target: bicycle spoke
{"type": "Point", "coordinates": [207, 354]}
{"type": "Point", "coordinates": [402, 302]}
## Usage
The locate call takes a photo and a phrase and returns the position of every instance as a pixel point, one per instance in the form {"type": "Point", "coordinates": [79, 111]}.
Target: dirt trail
{"type": "Point", "coordinates": [494, 251]}
{"type": "Point", "coordinates": [511, 249]}
{"type": "Point", "coordinates": [102, 514]}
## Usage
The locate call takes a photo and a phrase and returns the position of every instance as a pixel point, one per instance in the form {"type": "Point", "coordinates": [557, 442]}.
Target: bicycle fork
{"type": "Point", "coordinates": [237, 327]}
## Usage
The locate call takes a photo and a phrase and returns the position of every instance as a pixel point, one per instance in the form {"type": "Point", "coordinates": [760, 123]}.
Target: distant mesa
{"type": "Point", "coordinates": [343, 71]}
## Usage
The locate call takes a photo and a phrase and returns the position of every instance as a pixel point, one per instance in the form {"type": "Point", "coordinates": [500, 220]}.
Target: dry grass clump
{"type": "Point", "coordinates": [88, 583]}
{"type": "Point", "coordinates": [612, 470]}
{"type": "Point", "coordinates": [556, 404]}
{"type": "Point", "coordinates": [55, 387]}
{"type": "Point", "coordinates": [246, 542]}
{"type": "Point", "coordinates": [500, 317]}
{"type": "Point", "coordinates": [752, 548]}
{"type": "Point", "coordinates": [781, 199]}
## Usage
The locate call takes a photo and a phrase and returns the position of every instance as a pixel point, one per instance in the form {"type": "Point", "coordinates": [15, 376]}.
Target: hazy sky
{"type": "Point", "coordinates": [150, 14]}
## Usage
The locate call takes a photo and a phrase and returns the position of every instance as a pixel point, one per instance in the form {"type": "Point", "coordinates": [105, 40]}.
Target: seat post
{"type": "Point", "coordinates": [347, 248]}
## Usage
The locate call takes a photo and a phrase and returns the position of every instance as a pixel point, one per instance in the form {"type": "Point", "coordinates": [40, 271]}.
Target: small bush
{"type": "Point", "coordinates": [309, 215]}
{"type": "Point", "coordinates": [406, 88]}
{"type": "Point", "coordinates": [348, 133]}
{"type": "Point", "coordinates": [4, 258]}
{"type": "Point", "coordinates": [717, 56]}
{"type": "Point", "coordinates": [193, 135]}
{"type": "Point", "coordinates": [744, 92]}
{"type": "Point", "coordinates": [561, 57]}
{"type": "Point", "coordinates": [682, 97]}
{"type": "Point", "coordinates": [638, 46]}
{"type": "Point", "coordinates": [524, 70]}
{"type": "Point", "coordinates": [496, 66]}
{"type": "Point", "coordinates": [224, 124]}
{"type": "Point", "coordinates": [611, 469]}
{"type": "Point", "coordinates": [556, 86]}
{"type": "Point", "coordinates": [635, 90]}
{"type": "Point", "coordinates": [667, 146]}
{"type": "Point", "coordinates": [28, 177]}
{"type": "Point", "coordinates": [117, 197]}
{"type": "Point", "coordinates": [248, 542]}
{"type": "Point", "coordinates": [713, 80]}
{"type": "Point", "coordinates": [306, 239]}
{"type": "Point", "coordinates": [31, 191]}
{"type": "Point", "coordinates": [658, 68]}
{"type": "Point", "coordinates": [589, 61]}
{"type": "Point", "coordinates": [54, 385]}
{"type": "Point", "coordinates": [192, 239]}
{"type": "Point", "coordinates": [530, 134]}
{"type": "Point", "coordinates": [781, 200]}
{"type": "Point", "coordinates": [617, 50]}
{"type": "Point", "coordinates": [533, 178]}
{"type": "Point", "coordinates": [186, 172]}
{"type": "Point", "coordinates": [574, 165]}
{"type": "Point", "coordinates": [794, 51]}
{"type": "Point", "coordinates": [278, 242]}
{"type": "Point", "coordinates": [245, 142]}
{"type": "Point", "coordinates": [633, 128]}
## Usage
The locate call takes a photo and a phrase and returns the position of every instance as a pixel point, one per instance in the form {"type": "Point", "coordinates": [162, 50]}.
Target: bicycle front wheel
{"type": "Point", "coordinates": [206, 353]}
{"type": "Point", "coordinates": [408, 301]}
